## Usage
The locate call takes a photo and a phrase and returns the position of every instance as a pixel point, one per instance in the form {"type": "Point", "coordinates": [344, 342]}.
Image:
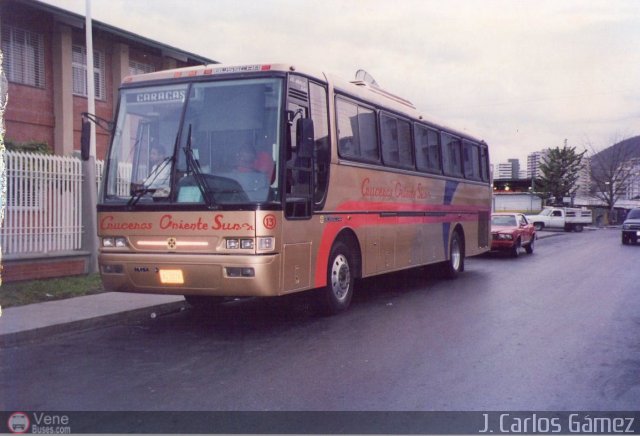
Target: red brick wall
{"type": "Point", "coordinates": [14, 271]}
{"type": "Point", "coordinates": [29, 113]}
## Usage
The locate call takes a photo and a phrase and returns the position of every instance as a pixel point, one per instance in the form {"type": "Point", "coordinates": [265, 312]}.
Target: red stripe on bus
{"type": "Point", "coordinates": [372, 206]}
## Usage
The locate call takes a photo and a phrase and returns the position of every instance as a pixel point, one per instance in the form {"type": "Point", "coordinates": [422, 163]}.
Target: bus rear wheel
{"type": "Point", "coordinates": [336, 296]}
{"type": "Point", "coordinates": [455, 265]}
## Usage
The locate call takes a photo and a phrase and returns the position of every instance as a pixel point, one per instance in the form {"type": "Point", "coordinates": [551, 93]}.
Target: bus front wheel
{"type": "Point", "coordinates": [336, 296]}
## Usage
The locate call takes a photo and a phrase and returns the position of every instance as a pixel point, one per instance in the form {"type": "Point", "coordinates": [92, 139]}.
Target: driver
{"type": "Point", "coordinates": [244, 159]}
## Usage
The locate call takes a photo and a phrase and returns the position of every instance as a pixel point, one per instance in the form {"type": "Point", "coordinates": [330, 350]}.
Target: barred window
{"type": "Point", "coordinates": [79, 69]}
{"type": "Point", "coordinates": [136, 67]}
{"type": "Point", "coordinates": [23, 56]}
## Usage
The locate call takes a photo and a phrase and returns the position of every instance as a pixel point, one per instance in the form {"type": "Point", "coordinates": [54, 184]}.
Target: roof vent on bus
{"type": "Point", "coordinates": [364, 77]}
{"type": "Point", "coordinates": [366, 80]}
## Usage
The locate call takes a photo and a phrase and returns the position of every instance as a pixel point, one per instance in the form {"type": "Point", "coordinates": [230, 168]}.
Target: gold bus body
{"type": "Point", "coordinates": [398, 219]}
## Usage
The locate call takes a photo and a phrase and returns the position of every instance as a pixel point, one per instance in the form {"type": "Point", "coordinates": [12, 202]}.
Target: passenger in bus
{"type": "Point", "coordinates": [156, 155]}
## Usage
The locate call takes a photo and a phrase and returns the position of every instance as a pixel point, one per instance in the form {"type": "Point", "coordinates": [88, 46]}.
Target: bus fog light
{"type": "Point", "coordinates": [121, 242]}
{"type": "Point", "coordinates": [112, 269]}
{"type": "Point", "coordinates": [240, 272]}
{"type": "Point", "coordinates": [248, 272]}
{"type": "Point", "coordinates": [246, 244]}
{"type": "Point", "coordinates": [265, 244]}
{"type": "Point", "coordinates": [233, 244]}
{"type": "Point", "coordinates": [108, 242]}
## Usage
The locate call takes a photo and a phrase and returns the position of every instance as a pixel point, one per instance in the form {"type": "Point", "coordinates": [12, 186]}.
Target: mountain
{"type": "Point", "coordinates": [627, 149]}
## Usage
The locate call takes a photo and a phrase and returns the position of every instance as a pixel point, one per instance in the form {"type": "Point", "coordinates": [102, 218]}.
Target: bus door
{"type": "Point", "coordinates": [299, 189]}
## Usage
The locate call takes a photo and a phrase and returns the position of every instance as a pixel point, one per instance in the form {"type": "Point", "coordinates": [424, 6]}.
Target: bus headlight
{"type": "Point", "coordinates": [235, 243]}
{"type": "Point", "coordinates": [232, 244]}
{"type": "Point", "coordinates": [118, 242]}
{"type": "Point", "coordinates": [246, 244]}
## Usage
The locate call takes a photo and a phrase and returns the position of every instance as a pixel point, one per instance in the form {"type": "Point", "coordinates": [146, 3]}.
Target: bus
{"type": "Point", "coordinates": [228, 181]}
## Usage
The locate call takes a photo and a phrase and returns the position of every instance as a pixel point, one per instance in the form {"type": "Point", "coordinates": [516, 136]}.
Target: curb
{"type": "Point", "coordinates": [38, 334]}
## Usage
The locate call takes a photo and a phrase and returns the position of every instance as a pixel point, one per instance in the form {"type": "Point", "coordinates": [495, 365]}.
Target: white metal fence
{"type": "Point", "coordinates": [43, 209]}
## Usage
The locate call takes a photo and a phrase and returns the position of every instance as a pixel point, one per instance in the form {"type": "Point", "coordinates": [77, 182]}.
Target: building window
{"type": "Point", "coordinates": [79, 67]}
{"type": "Point", "coordinates": [136, 67]}
{"type": "Point", "coordinates": [23, 56]}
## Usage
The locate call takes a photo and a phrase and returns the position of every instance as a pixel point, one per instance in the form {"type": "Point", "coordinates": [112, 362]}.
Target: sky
{"type": "Point", "coordinates": [521, 75]}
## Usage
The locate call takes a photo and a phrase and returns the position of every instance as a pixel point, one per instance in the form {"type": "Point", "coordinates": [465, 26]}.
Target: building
{"type": "Point", "coordinates": [632, 186]}
{"type": "Point", "coordinates": [584, 178]}
{"type": "Point", "coordinates": [508, 170]}
{"type": "Point", "coordinates": [45, 64]}
{"type": "Point", "coordinates": [504, 171]}
{"type": "Point", "coordinates": [533, 163]}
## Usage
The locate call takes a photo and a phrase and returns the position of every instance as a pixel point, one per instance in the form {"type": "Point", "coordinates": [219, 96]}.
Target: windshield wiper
{"type": "Point", "coordinates": [146, 188]}
{"type": "Point", "coordinates": [197, 171]}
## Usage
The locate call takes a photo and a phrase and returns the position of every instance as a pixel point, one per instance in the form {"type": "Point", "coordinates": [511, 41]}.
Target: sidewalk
{"type": "Point", "coordinates": [37, 321]}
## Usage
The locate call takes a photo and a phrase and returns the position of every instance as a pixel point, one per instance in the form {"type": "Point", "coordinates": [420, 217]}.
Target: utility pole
{"type": "Point", "coordinates": [89, 188]}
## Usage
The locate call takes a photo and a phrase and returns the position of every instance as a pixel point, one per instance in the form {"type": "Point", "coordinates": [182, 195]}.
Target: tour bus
{"type": "Point", "coordinates": [263, 180]}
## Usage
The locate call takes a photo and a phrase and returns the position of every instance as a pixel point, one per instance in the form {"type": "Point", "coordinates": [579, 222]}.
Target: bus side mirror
{"type": "Point", "coordinates": [305, 138]}
{"type": "Point", "coordinates": [85, 139]}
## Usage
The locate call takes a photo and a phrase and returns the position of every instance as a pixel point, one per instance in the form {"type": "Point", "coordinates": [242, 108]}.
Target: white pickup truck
{"type": "Point", "coordinates": [567, 218]}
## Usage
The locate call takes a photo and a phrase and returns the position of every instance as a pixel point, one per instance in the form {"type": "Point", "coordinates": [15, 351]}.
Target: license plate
{"type": "Point", "coordinates": [171, 277]}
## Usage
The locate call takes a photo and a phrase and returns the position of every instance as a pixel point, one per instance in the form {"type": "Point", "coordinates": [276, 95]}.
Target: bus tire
{"type": "Point", "coordinates": [455, 264]}
{"type": "Point", "coordinates": [336, 296]}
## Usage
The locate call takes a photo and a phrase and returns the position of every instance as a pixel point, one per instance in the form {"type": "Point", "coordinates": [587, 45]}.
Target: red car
{"type": "Point", "coordinates": [510, 231]}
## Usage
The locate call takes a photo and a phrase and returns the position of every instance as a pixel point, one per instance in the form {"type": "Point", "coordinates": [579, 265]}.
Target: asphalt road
{"type": "Point", "coordinates": [556, 330]}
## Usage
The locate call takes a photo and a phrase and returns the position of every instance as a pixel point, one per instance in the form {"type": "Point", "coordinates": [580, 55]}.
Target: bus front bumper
{"type": "Point", "coordinates": [186, 274]}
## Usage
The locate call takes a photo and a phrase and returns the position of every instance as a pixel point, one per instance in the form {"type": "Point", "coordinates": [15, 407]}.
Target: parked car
{"type": "Point", "coordinates": [631, 227]}
{"type": "Point", "coordinates": [510, 231]}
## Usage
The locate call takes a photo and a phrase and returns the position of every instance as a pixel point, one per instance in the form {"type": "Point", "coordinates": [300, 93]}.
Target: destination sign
{"type": "Point", "coordinates": [158, 96]}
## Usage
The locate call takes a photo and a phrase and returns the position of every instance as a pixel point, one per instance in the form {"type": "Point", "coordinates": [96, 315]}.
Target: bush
{"type": "Point", "coordinates": [28, 147]}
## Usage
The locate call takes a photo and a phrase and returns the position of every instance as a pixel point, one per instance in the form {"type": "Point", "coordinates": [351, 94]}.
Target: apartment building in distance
{"type": "Point", "coordinates": [533, 163]}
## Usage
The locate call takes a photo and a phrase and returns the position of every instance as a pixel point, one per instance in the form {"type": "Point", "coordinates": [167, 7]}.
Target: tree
{"type": "Point", "coordinates": [560, 172]}
{"type": "Point", "coordinates": [611, 171]}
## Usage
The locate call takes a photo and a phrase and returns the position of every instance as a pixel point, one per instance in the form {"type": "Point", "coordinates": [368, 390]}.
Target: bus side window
{"type": "Point", "coordinates": [347, 114]}
{"type": "Point", "coordinates": [452, 157]}
{"type": "Point", "coordinates": [427, 149]}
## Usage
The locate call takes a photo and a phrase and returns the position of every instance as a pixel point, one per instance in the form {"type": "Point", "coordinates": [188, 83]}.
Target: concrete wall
{"type": "Point", "coordinates": [520, 202]}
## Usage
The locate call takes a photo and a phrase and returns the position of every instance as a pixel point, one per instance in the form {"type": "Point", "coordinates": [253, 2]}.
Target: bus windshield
{"type": "Point", "coordinates": [214, 143]}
